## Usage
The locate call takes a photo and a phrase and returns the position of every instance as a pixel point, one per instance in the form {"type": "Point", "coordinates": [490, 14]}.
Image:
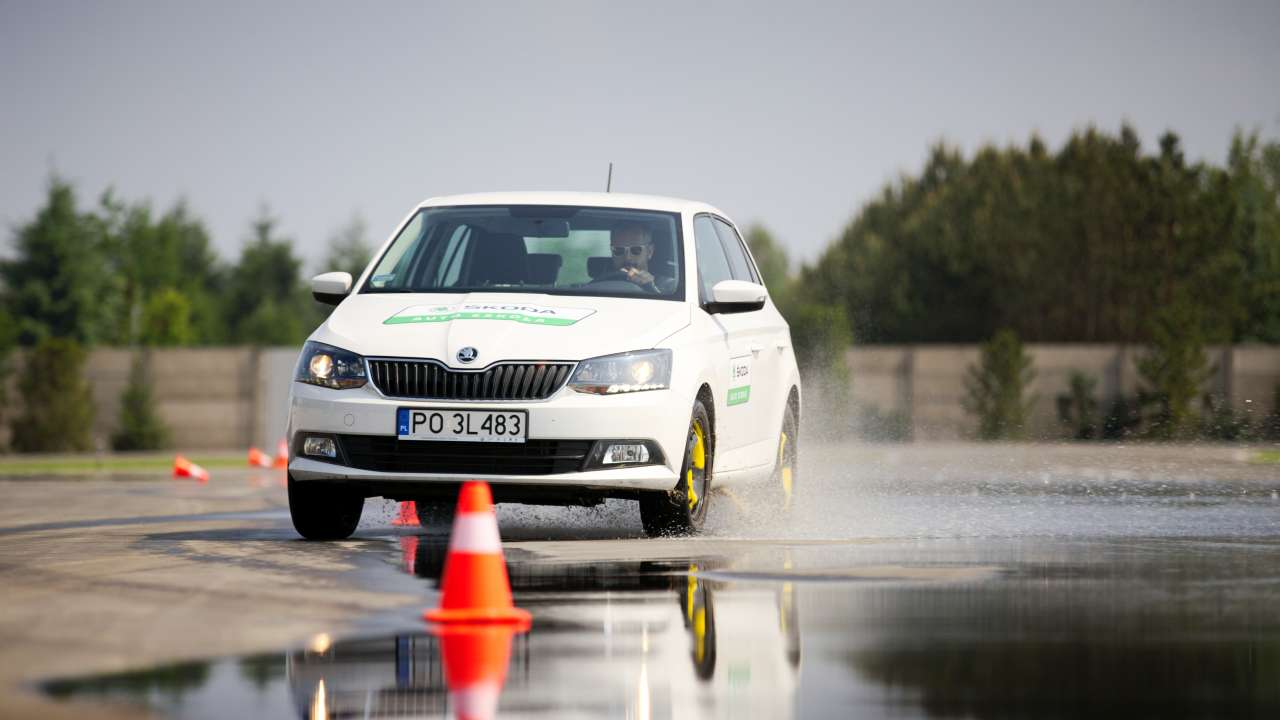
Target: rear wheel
{"type": "Point", "coordinates": [700, 620]}
{"type": "Point", "coordinates": [323, 512]}
{"type": "Point", "coordinates": [783, 483]}
{"type": "Point", "coordinates": [683, 510]}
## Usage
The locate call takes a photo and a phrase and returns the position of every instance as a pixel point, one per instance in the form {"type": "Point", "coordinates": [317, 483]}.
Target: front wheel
{"type": "Point", "coordinates": [682, 511]}
{"type": "Point", "coordinates": [323, 512]}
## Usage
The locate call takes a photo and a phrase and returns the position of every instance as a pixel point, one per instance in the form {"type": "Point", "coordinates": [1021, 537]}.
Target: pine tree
{"type": "Point", "coordinates": [57, 404]}
{"type": "Point", "coordinates": [1174, 368]}
{"type": "Point", "coordinates": [140, 426]}
{"type": "Point", "coordinates": [997, 386]}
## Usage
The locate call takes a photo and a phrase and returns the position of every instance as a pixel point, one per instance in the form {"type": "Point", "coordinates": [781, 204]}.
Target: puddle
{"type": "Point", "coordinates": [987, 629]}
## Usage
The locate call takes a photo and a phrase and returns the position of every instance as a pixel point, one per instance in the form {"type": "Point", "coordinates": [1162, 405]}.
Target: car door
{"type": "Point", "coordinates": [762, 328]}
{"type": "Point", "coordinates": [739, 334]}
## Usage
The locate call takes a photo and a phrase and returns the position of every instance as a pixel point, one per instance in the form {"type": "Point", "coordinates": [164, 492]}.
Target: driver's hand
{"type": "Point", "coordinates": [638, 276]}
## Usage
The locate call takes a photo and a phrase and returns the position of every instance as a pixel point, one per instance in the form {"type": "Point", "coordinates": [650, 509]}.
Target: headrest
{"type": "Point", "coordinates": [544, 268]}
{"type": "Point", "coordinates": [503, 260]}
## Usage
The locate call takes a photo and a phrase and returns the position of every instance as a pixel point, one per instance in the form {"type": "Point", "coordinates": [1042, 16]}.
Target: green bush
{"type": "Point", "coordinates": [1221, 422]}
{"type": "Point", "coordinates": [140, 426]}
{"type": "Point", "coordinates": [1078, 408]}
{"type": "Point", "coordinates": [8, 339]}
{"type": "Point", "coordinates": [57, 413]}
{"type": "Point", "coordinates": [1123, 419]}
{"type": "Point", "coordinates": [1174, 368]}
{"type": "Point", "coordinates": [1270, 429]}
{"type": "Point", "coordinates": [996, 388]}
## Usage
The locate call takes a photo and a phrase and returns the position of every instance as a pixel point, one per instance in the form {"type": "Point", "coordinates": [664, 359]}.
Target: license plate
{"type": "Point", "coordinates": [504, 426]}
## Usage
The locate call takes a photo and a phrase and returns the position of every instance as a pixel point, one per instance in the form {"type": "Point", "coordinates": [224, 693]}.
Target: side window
{"type": "Point", "coordinates": [738, 261]}
{"type": "Point", "coordinates": [393, 269]}
{"type": "Point", "coordinates": [713, 266]}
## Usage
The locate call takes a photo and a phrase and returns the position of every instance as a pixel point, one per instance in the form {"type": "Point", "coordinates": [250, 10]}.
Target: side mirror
{"type": "Point", "coordinates": [331, 287]}
{"type": "Point", "coordinates": [735, 296]}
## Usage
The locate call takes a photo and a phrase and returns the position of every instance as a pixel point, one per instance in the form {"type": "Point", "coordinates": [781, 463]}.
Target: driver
{"type": "Point", "coordinates": [632, 247]}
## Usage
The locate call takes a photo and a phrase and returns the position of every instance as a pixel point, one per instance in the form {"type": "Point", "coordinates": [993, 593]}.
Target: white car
{"type": "Point", "coordinates": [564, 347]}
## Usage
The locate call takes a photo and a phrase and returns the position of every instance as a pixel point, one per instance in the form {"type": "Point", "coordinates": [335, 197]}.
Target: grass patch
{"type": "Point", "coordinates": [90, 464]}
{"type": "Point", "coordinates": [1268, 457]}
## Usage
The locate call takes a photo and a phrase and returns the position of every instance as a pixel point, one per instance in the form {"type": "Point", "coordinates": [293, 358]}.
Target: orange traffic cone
{"type": "Point", "coordinates": [282, 454]}
{"type": "Point", "coordinates": [408, 514]}
{"type": "Point", "coordinates": [475, 659]}
{"type": "Point", "coordinates": [183, 467]}
{"type": "Point", "coordinates": [475, 584]}
{"type": "Point", "coordinates": [257, 458]}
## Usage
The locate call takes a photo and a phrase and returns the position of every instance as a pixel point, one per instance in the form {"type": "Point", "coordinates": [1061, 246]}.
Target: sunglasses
{"type": "Point", "coordinates": [620, 250]}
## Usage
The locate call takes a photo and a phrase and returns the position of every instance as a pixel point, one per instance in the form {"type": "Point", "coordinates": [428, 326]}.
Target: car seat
{"type": "Point", "coordinates": [544, 268]}
{"type": "Point", "coordinates": [501, 259]}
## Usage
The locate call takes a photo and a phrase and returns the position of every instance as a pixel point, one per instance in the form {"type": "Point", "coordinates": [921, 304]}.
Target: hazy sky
{"type": "Point", "coordinates": [788, 113]}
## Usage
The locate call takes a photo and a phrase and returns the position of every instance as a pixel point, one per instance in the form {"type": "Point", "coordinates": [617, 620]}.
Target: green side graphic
{"type": "Point", "coordinates": [739, 395]}
{"type": "Point", "coordinates": [515, 317]}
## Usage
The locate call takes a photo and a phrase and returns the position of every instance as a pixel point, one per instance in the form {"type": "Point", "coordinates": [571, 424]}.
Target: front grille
{"type": "Point", "coordinates": [429, 380]}
{"type": "Point", "coordinates": [385, 453]}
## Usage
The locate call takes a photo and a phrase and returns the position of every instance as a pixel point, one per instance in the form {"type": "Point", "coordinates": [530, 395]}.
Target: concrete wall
{"type": "Point", "coordinates": [210, 398]}
{"type": "Point", "coordinates": [926, 382]}
{"type": "Point", "coordinates": [223, 398]}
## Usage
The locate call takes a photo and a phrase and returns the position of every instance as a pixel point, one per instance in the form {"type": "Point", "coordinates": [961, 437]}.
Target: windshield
{"type": "Point", "coordinates": [535, 248]}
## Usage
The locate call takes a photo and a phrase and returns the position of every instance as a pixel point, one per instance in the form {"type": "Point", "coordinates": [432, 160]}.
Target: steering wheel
{"type": "Point", "coordinates": [612, 276]}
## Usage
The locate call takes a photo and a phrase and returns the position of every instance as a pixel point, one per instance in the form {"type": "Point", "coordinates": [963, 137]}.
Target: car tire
{"type": "Point", "coordinates": [683, 510]}
{"type": "Point", "coordinates": [323, 512]}
{"type": "Point", "coordinates": [782, 483]}
{"type": "Point", "coordinates": [699, 619]}
{"type": "Point", "coordinates": [436, 516]}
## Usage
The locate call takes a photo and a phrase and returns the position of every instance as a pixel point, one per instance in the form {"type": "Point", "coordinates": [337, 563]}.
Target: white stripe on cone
{"type": "Point", "coordinates": [479, 701]}
{"type": "Point", "coordinates": [475, 533]}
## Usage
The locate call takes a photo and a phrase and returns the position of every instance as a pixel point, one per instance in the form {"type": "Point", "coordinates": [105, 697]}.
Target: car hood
{"type": "Point", "coordinates": [500, 326]}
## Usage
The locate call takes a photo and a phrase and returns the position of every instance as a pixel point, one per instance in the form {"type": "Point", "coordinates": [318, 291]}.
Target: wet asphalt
{"type": "Point", "coordinates": [907, 582]}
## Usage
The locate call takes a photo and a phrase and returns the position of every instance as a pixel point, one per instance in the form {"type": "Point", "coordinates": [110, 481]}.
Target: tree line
{"type": "Point", "coordinates": [1100, 241]}
{"type": "Point", "coordinates": [121, 274]}
{"type": "Point", "coordinates": [1097, 242]}
{"type": "Point", "coordinates": [118, 273]}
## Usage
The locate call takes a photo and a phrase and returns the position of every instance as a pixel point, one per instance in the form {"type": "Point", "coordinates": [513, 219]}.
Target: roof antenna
{"type": "Point", "coordinates": [608, 184]}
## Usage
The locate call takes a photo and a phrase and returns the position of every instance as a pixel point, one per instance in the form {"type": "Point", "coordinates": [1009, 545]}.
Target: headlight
{"type": "Point", "coordinates": [623, 373]}
{"type": "Point", "coordinates": [331, 367]}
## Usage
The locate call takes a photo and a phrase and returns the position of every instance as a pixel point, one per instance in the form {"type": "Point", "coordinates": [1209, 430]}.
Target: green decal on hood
{"type": "Point", "coordinates": [515, 312]}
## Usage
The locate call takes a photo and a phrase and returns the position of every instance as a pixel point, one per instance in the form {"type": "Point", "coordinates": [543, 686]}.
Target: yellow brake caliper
{"type": "Point", "coordinates": [698, 461]}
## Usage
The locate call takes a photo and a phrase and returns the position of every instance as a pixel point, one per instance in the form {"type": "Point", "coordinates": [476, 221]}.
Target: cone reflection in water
{"type": "Point", "coordinates": [282, 454]}
{"type": "Point", "coordinates": [475, 587]}
{"type": "Point", "coordinates": [408, 514]}
{"type": "Point", "coordinates": [409, 550]}
{"type": "Point", "coordinates": [475, 659]}
{"type": "Point", "coordinates": [184, 468]}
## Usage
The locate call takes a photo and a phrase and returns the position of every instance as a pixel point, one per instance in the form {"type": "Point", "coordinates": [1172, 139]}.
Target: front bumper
{"type": "Point", "coordinates": [659, 416]}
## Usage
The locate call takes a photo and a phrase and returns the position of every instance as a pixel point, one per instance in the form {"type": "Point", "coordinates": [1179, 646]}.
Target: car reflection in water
{"type": "Point", "coordinates": [639, 639]}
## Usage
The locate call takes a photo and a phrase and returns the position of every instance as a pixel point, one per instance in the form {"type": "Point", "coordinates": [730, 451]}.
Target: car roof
{"type": "Point", "coordinates": [589, 199]}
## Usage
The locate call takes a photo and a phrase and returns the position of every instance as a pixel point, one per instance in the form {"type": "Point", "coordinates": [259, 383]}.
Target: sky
{"type": "Point", "coordinates": [790, 114]}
